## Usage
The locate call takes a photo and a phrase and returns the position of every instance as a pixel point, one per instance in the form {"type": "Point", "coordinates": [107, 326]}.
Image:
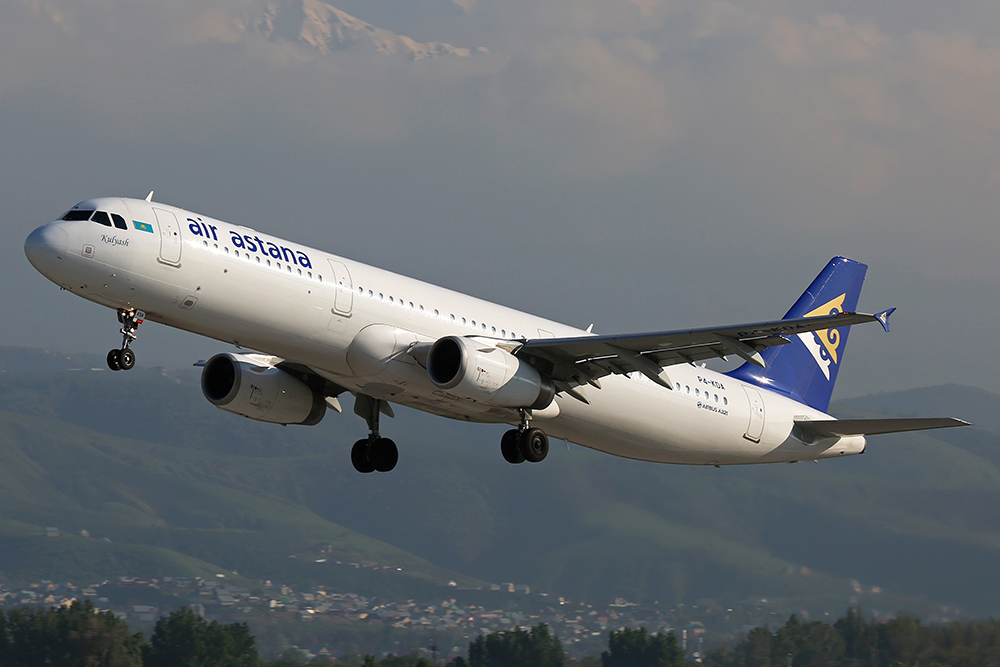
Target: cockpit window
{"type": "Point", "coordinates": [77, 214]}
{"type": "Point", "coordinates": [102, 218]}
{"type": "Point", "coordinates": [119, 221]}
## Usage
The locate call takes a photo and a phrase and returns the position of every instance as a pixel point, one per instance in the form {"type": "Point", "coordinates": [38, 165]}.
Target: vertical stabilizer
{"type": "Point", "coordinates": [806, 369]}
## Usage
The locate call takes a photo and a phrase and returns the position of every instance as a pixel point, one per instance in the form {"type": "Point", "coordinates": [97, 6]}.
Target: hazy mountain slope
{"type": "Point", "coordinates": [917, 516]}
{"type": "Point", "coordinates": [190, 509]}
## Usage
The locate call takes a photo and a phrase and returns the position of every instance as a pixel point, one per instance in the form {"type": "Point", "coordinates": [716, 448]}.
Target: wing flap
{"type": "Point", "coordinates": [833, 428]}
{"type": "Point", "coordinates": [591, 357]}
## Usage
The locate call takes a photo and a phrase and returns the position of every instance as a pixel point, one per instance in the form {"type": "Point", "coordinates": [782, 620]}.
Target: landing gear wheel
{"type": "Point", "coordinates": [383, 454]}
{"type": "Point", "coordinates": [359, 456]}
{"type": "Point", "coordinates": [509, 447]}
{"type": "Point", "coordinates": [126, 359]}
{"type": "Point", "coordinates": [114, 360]}
{"type": "Point", "coordinates": [534, 445]}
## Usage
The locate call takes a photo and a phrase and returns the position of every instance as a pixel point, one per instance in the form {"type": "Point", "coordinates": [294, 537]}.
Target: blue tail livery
{"type": "Point", "coordinates": [806, 369]}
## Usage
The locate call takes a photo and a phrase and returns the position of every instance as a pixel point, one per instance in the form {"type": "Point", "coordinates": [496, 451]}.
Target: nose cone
{"type": "Point", "coordinates": [46, 246]}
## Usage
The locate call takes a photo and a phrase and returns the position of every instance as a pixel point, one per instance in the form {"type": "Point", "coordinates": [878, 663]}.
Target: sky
{"type": "Point", "coordinates": [641, 165]}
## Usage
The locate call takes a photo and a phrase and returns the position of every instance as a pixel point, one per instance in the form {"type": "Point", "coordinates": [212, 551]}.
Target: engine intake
{"type": "Point", "coordinates": [487, 374]}
{"type": "Point", "coordinates": [254, 389]}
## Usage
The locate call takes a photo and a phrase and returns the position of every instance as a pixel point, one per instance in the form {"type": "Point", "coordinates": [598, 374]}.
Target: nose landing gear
{"type": "Point", "coordinates": [124, 359]}
{"type": "Point", "coordinates": [524, 443]}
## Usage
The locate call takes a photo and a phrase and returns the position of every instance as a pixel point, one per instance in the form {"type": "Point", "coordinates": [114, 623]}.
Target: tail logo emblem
{"type": "Point", "coordinates": [823, 344]}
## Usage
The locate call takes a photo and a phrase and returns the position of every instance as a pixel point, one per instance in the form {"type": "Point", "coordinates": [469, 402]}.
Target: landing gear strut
{"type": "Point", "coordinates": [373, 453]}
{"type": "Point", "coordinates": [524, 443]}
{"type": "Point", "coordinates": [124, 359]}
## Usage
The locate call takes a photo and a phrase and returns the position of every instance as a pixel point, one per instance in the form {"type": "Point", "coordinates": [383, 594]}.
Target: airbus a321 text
{"type": "Point", "coordinates": [324, 326]}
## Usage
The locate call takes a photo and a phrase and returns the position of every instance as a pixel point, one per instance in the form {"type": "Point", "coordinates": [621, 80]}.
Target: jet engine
{"type": "Point", "coordinates": [255, 389]}
{"type": "Point", "coordinates": [487, 374]}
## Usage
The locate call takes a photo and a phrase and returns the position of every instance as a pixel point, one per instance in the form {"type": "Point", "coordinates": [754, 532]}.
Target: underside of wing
{"type": "Point", "coordinates": [585, 359]}
{"type": "Point", "coordinates": [833, 428]}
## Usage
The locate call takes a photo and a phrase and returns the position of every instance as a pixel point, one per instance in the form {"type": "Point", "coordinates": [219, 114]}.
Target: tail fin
{"type": "Point", "coordinates": [806, 369]}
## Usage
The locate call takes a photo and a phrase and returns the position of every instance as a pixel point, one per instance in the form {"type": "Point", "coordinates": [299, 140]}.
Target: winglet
{"type": "Point", "coordinates": [149, 197]}
{"type": "Point", "coordinates": [883, 318]}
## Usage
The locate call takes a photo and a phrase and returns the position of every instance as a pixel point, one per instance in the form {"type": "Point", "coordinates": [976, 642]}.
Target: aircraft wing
{"type": "Point", "coordinates": [830, 428]}
{"type": "Point", "coordinates": [585, 359]}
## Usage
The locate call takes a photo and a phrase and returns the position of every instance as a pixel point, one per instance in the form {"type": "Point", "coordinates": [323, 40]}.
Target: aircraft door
{"type": "Point", "coordinates": [170, 236]}
{"type": "Point", "coordinates": [755, 427]}
{"type": "Point", "coordinates": [343, 298]}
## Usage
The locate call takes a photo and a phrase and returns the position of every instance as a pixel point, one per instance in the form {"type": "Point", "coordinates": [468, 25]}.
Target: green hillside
{"type": "Point", "coordinates": [142, 459]}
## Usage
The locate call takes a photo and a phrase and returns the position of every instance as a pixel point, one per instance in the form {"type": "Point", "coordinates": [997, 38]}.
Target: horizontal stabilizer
{"type": "Point", "coordinates": [834, 428]}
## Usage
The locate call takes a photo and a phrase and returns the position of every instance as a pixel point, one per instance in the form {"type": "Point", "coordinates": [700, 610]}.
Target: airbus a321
{"type": "Point", "coordinates": [322, 326]}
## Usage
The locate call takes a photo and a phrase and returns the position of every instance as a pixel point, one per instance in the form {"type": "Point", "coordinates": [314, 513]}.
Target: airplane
{"type": "Point", "coordinates": [319, 326]}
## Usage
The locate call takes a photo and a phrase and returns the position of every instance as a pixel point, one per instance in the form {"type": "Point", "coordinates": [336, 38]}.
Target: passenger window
{"type": "Point", "coordinates": [320, 277]}
{"type": "Point", "coordinates": [102, 218]}
{"type": "Point", "coordinates": [725, 401]}
{"type": "Point", "coordinates": [119, 221]}
{"type": "Point", "coordinates": [77, 214]}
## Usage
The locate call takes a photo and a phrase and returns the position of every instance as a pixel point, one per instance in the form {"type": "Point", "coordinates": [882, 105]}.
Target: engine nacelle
{"type": "Point", "coordinates": [487, 374]}
{"type": "Point", "coordinates": [255, 389]}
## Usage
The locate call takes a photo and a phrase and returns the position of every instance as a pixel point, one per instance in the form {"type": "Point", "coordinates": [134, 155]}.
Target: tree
{"type": "Point", "coordinates": [637, 648]}
{"type": "Point", "coordinates": [70, 636]}
{"type": "Point", "coordinates": [183, 639]}
{"type": "Point", "coordinates": [517, 648]}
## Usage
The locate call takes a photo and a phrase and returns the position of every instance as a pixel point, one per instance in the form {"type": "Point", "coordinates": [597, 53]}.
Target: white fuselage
{"type": "Point", "coordinates": [355, 324]}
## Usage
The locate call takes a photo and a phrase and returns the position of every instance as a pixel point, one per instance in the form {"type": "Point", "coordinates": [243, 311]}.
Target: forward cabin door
{"type": "Point", "coordinates": [170, 237]}
{"type": "Point", "coordinates": [343, 298]}
{"type": "Point", "coordinates": [755, 427]}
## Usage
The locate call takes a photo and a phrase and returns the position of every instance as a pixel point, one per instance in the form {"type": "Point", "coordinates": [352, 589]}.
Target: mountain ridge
{"type": "Point", "coordinates": [322, 27]}
{"type": "Point", "coordinates": [916, 516]}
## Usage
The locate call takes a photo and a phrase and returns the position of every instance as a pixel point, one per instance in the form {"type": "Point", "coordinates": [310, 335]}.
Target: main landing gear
{"type": "Point", "coordinates": [124, 358]}
{"type": "Point", "coordinates": [524, 443]}
{"type": "Point", "coordinates": [374, 452]}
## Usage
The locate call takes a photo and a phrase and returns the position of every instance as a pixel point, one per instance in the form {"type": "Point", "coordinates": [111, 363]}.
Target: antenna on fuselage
{"type": "Point", "coordinates": [149, 197]}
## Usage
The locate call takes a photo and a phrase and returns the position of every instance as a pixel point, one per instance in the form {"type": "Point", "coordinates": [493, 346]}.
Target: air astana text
{"type": "Point", "coordinates": [251, 243]}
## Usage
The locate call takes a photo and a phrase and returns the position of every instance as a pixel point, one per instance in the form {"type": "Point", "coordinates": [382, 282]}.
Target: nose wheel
{"type": "Point", "coordinates": [123, 359]}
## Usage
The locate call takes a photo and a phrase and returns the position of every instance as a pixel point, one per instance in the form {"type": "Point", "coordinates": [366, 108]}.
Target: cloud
{"type": "Point", "coordinates": [710, 136]}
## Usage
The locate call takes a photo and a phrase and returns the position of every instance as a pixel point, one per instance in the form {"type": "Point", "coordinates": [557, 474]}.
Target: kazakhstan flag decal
{"type": "Point", "coordinates": [143, 226]}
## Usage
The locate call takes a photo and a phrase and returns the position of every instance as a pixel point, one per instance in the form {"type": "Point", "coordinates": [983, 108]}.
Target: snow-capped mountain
{"type": "Point", "coordinates": [322, 26]}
